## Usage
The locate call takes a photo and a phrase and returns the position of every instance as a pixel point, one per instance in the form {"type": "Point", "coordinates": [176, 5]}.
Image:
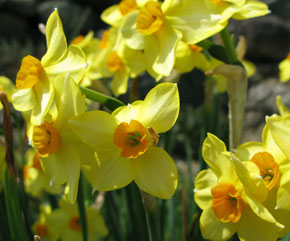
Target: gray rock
{"type": "Point", "coordinates": [267, 37]}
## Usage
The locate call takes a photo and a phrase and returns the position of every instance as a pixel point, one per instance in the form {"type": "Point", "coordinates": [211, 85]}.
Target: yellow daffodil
{"type": "Point", "coordinates": [115, 14]}
{"type": "Point", "coordinates": [35, 180]}
{"type": "Point", "coordinates": [45, 229]}
{"type": "Point", "coordinates": [239, 9]}
{"type": "Point", "coordinates": [189, 56]}
{"type": "Point", "coordinates": [230, 195]}
{"type": "Point", "coordinates": [126, 140]}
{"type": "Point", "coordinates": [117, 60]}
{"type": "Point", "coordinates": [8, 87]}
{"type": "Point", "coordinates": [284, 68]}
{"type": "Point", "coordinates": [60, 150]}
{"type": "Point", "coordinates": [34, 79]}
{"type": "Point", "coordinates": [90, 47]}
{"type": "Point", "coordinates": [157, 27]}
{"type": "Point", "coordinates": [66, 220]}
{"type": "Point", "coordinates": [274, 169]}
{"type": "Point", "coordinates": [280, 128]}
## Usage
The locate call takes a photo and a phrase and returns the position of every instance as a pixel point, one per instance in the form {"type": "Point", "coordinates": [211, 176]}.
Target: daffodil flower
{"type": "Point", "coordinates": [114, 15]}
{"type": "Point", "coordinates": [117, 60]}
{"type": "Point", "coordinates": [279, 128]}
{"type": "Point", "coordinates": [35, 180]}
{"type": "Point", "coordinates": [157, 27]}
{"type": "Point", "coordinates": [189, 56]}
{"type": "Point", "coordinates": [239, 9]}
{"type": "Point", "coordinates": [126, 140]}
{"type": "Point", "coordinates": [45, 229]}
{"type": "Point", "coordinates": [231, 193]}
{"type": "Point", "coordinates": [274, 169]}
{"type": "Point", "coordinates": [66, 220]}
{"type": "Point", "coordinates": [60, 150]}
{"type": "Point", "coordinates": [34, 79]}
{"type": "Point", "coordinates": [284, 68]}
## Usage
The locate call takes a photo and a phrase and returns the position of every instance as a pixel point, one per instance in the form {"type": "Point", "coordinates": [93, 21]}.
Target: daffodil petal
{"type": "Point", "coordinates": [96, 128]}
{"type": "Point", "coordinates": [203, 183]}
{"type": "Point", "coordinates": [23, 100]}
{"type": "Point", "coordinates": [44, 93]}
{"type": "Point", "coordinates": [70, 102]}
{"type": "Point", "coordinates": [72, 163]}
{"type": "Point", "coordinates": [111, 172]}
{"type": "Point", "coordinates": [283, 194]}
{"type": "Point", "coordinates": [213, 229]}
{"type": "Point", "coordinates": [55, 168]}
{"type": "Point", "coordinates": [252, 183]}
{"type": "Point", "coordinates": [195, 20]}
{"type": "Point", "coordinates": [96, 223]}
{"type": "Point", "coordinates": [120, 82]}
{"type": "Point", "coordinates": [284, 68]}
{"type": "Point", "coordinates": [73, 62]}
{"type": "Point", "coordinates": [160, 108]}
{"type": "Point", "coordinates": [55, 40]}
{"type": "Point", "coordinates": [112, 15]}
{"type": "Point", "coordinates": [159, 49]}
{"type": "Point", "coordinates": [262, 212]}
{"type": "Point", "coordinates": [129, 112]}
{"type": "Point", "coordinates": [156, 173]}
{"type": "Point", "coordinates": [133, 38]}
{"type": "Point", "coordinates": [7, 86]}
{"type": "Point", "coordinates": [272, 147]}
{"type": "Point", "coordinates": [220, 164]}
{"type": "Point", "coordinates": [253, 228]}
{"type": "Point", "coordinates": [246, 151]}
{"type": "Point", "coordinates": [280, 130]}
{"type": "Point", "coordinates": [252, 9]}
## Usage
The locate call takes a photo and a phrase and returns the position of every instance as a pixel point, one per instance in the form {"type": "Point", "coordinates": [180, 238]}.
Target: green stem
{"type": "Point", "coordinates": [108, 101]}
{"type": "Point", "coordinates": [230, 46]}
{"type": "Point", "coordinates": [82, 211]}
{"type": "Point", "coordinates": [152, 216]}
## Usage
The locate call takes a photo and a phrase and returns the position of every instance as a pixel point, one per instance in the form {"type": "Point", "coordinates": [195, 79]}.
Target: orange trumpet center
{"type": "Point", "coordinates": [127, 6]}
{"type": "Point", "coordinates": [41, 230]}
{"type": "Point", "coordinates": [46, 139]}
{"type": "Point", "coordinates": [104, 40]}
{"type": "Point", "coordinates": [150, 18]}
{"type": "Point", "coordinates": [131, 139]}
{"type": "Point", "coordinates": [269, 169]}
{"type": "Point", "coordinates": [29, 73]}
{"type": "Point", "coordinates": [77, 39]}
{"type": "Point", "coordinates": [114, 62]}
{"type": "Point", "coordinates": [195, 48]}
{"type": "Point", "coordinates": [217, 2]}
{"type": "Point", "coordinates": [75, 223]}
{"type": "Point", "coordinates": [226, 203]}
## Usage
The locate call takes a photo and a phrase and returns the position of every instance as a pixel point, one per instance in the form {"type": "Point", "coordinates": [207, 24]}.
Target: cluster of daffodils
{"type": "Point", "coordinates": [241, 189]}
{"type": "Point", "coordinates": [63, 223]}
{"type": "Point", "coordinates": [247, 191]}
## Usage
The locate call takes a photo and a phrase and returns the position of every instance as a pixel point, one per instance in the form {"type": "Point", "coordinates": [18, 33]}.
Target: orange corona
{"type": "Point", "coordinates": [127, 6]}
{"type": "Point", "coordinates": [104, 41]}
{"type": "Point", "coordinates": [114, 62]}
{"type": "Point", "coordinates": [75, 224]}
{"type": "Point", "coordinates": [269, 169]}
{"type": "Point", "coordinates": [46, 139]}
{"type": "Point", "coordinates": [131, 139]}
{"type": "Point", "coordinates": [226, 203]}
{"type": "Point", "coordinates": [150, 18]}
{"type": "Point", "coordinates": [30, 73]}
